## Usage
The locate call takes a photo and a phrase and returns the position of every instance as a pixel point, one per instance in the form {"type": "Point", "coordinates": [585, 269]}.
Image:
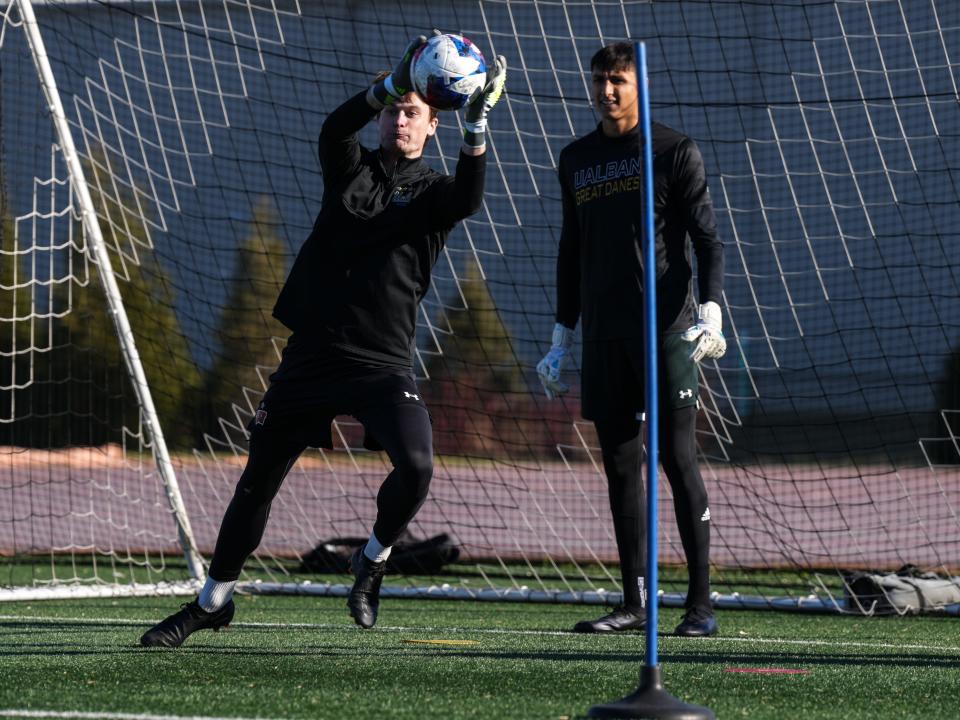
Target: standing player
{"type": "Point", "coordinates": [351, 301]}
{"type": "Point", "coordinates": [599, 275]}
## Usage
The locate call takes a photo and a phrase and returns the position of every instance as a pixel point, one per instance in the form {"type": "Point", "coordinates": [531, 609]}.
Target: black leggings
{"type": "Point", "coordinates": [621, 447]}
{"type": "Point", "coordinates": [403, 430]}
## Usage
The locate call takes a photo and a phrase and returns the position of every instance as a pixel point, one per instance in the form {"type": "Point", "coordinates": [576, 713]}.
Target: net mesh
{"type": "Point", "coordinates": [828, 436]}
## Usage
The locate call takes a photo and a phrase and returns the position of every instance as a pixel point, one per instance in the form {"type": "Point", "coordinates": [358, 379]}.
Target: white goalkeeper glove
{"type": "Point", "coordinates": [707, 334]}
{"type": "Point", "coordinates": [475, 117]}
{"type": "Point", "coordinates": [398, 83]}
{"type": "Point", "coordinates": [556, 360]}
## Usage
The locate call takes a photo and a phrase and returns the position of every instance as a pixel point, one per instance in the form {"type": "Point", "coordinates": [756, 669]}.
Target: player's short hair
{"type": "Point", "coordinates": [615, 56]}
{"type": "Point", "coordinates": [382, 75]}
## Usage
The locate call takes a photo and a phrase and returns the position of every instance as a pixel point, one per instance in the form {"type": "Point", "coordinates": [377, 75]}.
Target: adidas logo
{"type": "Point", "coordinates": [705, 516]}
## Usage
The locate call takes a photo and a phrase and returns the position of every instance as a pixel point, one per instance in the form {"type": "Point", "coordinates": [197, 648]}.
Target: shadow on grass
{"type": "Point", "coordinates": [782, 659]}
{"type": "Point", "coordinates": [418, 654]}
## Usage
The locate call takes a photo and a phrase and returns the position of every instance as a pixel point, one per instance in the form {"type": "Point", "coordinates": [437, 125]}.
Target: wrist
{"type": "Point", "coordinates": [477, 126]}
{"type": "Point", "coordinates": [379, 95]}
{"type": "Point", "coordinates": [396, 90]}
{"type": "Point", "coordinates": [384, 92]}
{"type": "Point", "coordinates": [373, 99]}
{"type": "Point", "coordinates": [475, 132]}
{"type": "Point", "coordinates": [562, 336]}
{"type": "Point", "coordinates": [474, 140]}
{"type": "Point", "coordinates": [709, 314]}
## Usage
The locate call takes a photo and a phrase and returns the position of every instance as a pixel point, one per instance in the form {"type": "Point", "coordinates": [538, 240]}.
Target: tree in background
{"type": "Point", "coordinates": [89, 388]}
{"type": "Point", "coordinates": [24, 335]}
{"type": "Point", "coordinates": [479, 346]}
{"type": "Point", "coordinates": [11, 302]}
{"type": "Point", "coordinates": [246, 327]}
{"type": "Point", "coordinates": [482, 405]}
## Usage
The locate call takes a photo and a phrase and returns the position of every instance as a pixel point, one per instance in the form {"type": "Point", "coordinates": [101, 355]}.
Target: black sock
{"type": "Point", "coordinates": [678, 452]}
{"type": "Point", "coordinates": [621, 450]}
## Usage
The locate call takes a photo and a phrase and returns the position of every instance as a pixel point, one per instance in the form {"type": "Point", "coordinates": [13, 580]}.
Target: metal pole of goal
{"type": "Point", "coordinates": [114, 300]}
{"type": "Point", "coordinates": [650, 699]}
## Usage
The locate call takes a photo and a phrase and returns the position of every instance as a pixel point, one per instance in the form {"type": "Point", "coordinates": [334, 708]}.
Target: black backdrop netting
{"type": "Point", "coordinates": [828, 434]}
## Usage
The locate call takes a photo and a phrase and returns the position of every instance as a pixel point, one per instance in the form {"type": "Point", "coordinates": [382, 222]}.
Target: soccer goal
{"type": "Point", "coordinates": [158, 172]}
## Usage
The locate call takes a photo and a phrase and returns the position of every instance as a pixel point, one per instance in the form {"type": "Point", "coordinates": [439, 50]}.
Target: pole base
{"type": "Point", "coordinates": [651, 702]}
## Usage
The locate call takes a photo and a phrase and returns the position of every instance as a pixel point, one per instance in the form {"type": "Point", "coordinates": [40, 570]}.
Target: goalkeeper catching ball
{"type": "Point", "coordinates": [351, 303]}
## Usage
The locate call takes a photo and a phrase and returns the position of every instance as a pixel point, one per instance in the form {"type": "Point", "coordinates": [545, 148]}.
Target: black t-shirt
{"type": "Point", "coordinates": [599, 263]}
{"type": "Point", "coordinates": [355, 287]}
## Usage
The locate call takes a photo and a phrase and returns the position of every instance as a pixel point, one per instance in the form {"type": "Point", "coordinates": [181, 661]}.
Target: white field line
{"type": "Point", "coordinates": [499, 631]}
{"type": "Point", "coordinates": [15, 713]}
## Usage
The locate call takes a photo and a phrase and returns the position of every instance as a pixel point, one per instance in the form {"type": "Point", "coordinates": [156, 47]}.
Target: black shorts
{"type": "Point", "coordinates": [306, 394]}
{"type": "Point", "coordinates": [612, 377]}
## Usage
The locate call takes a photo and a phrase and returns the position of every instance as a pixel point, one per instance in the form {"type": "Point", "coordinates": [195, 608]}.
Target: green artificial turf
{"type": "Point", "coordinates": [301, 657]}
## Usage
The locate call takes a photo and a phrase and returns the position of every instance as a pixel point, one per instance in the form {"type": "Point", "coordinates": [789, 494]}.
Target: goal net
{"type": "Point", "coordinates": [828, 434]}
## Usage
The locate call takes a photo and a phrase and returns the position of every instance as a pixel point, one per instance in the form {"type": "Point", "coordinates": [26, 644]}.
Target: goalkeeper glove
{"type": "Point", "coordinates": [707, 333]}
{"type": "Point", "coordinates": [552, 365]}
{"type": "Point", "coordinates": [398, 83]}
{"type": "Point", "coordinates": [482, 102]}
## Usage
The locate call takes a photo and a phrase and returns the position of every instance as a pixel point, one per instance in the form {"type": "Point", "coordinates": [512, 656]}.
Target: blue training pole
{"type": "Point", "coordinates": [650, 699]}
{"type": "Point", "coordinates": [650, 349]}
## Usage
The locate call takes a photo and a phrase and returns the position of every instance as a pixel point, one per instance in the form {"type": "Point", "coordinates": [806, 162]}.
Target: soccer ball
{"type": "Point", "coordinates": [447, 71]}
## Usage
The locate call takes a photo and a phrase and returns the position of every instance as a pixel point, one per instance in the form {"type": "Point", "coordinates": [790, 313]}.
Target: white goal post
{"type": "Point", "coordinates": [97, 248]}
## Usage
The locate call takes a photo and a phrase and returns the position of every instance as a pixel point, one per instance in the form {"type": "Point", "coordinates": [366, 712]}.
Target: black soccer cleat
{"type": "Point", "coordinates": [622, 618]}
{"type": "Point", "coordinates": [697, 622]}
{"type": "Point", "coordinates": [182, 624]}
{"type": "Point", "coordinates": [364, 598]}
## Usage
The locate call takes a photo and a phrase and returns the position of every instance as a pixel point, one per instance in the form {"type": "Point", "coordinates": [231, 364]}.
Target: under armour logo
{"type": "Point", "coordinates": [410, 395]}
{"type": "Point", "coordinates": [688, 393]}
{"type": "Point", "coordinates": [706, 515]}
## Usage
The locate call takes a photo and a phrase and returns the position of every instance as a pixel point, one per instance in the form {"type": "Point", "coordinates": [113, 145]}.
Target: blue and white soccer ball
{"type": "Point", "coordinates": [447, 71]}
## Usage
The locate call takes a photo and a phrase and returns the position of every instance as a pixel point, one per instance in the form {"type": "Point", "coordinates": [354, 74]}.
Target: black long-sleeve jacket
{"type": "Point", "coordinates": [360, 276]}
{"type": "Point", "coordinates": [599, 262]}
